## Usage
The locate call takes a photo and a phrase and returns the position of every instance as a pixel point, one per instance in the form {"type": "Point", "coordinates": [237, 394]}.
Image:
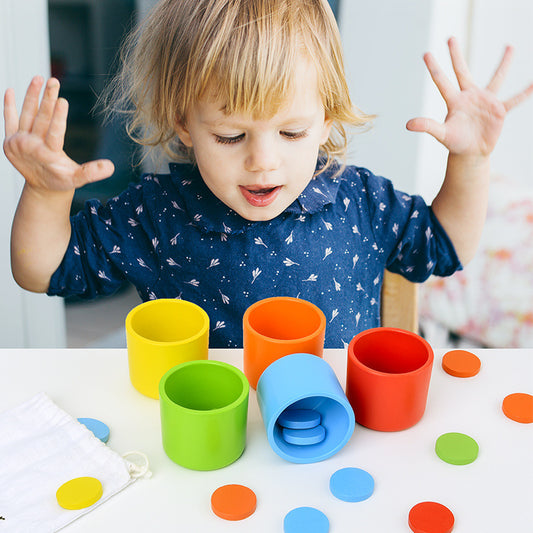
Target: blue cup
{"type": "Point", "coordinates": [304, 381]}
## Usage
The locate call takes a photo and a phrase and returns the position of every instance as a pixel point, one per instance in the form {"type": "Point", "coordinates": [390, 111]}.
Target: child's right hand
{"type": "Point", "coordinates": [34, 141]}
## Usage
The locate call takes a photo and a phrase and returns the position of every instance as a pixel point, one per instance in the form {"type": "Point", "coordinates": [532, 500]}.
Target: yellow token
{"type": "Point", "coordinates": [79, 493]}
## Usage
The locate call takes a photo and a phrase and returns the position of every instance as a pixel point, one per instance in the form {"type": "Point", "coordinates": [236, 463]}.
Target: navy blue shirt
{"type": "Point", "coordinates": [172, 238]}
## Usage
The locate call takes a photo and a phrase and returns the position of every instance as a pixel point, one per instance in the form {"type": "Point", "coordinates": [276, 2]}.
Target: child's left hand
{"type": "Point", "coordinates": [475, 116]}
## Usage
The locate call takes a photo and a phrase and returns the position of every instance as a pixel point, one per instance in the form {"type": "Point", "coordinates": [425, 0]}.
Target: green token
{"type": "Point", "coordinates": [457, 448]}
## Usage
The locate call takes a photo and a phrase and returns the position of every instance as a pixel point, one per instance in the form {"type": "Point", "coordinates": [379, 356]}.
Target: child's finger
{"type": "Point", "coordinates": [460, 67]}
{"type": "Point", "coordinates": [93, 171]}
{"type": "Point", "coordinates": [427, 125]}
{"type": "Point", "coordinates": [46, 109]}
{"type": "Point", "coordinates": [518, 98]}
{"type": "Point", "coordinates": [30, 104]}
{"type": "Point", "coordinates": [55, 136]}
{"type": "Point", "coordinates": [500, 73]}
{"type": "Point", "coordinates": [445, 87]}
{"type": "Point", "coordinates": [11, 119]}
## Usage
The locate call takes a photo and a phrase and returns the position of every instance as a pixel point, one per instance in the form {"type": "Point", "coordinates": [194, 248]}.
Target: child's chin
{"type": "Point", "coordinates": [261, 214]}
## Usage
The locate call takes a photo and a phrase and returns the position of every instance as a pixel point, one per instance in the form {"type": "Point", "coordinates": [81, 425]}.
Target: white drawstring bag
{"type": "Point", "coordinates": [41, 448]}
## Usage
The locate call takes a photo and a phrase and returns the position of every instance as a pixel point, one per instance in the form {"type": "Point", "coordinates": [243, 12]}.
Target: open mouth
{"type": "Point", "coordinates": [260, 196]}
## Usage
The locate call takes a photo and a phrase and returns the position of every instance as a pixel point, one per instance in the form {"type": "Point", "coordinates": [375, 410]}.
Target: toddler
{"type": "Point", "coordinates": [249, 100]}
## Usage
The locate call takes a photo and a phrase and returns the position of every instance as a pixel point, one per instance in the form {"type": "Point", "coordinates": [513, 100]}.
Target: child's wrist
{"type": "Point", "coordinates": [471, 159]}
{"type": "Point", "coordinates": [48, 195]}
{"type": "Point", "coordinates": [469, 165]}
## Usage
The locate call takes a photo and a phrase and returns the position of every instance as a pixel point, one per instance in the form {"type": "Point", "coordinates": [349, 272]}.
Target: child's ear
{"type": "Point", "coordinates": [183, 133]}
{"type": "Point", "coordinates": [326, 130]}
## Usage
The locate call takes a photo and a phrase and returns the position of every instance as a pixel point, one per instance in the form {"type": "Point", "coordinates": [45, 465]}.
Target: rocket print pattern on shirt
{"type": "Point", "coordinates": [172, 238]}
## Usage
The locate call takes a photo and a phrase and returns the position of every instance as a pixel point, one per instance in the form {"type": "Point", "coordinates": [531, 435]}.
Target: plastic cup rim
{"type": "Point", "coordinates": [321, 326]}
{"type": "Point", "coordinates": [206, 412]}
{"type": "Point", "coordinates": [355, 360]}
{"type": "Point", "coordinates": [130, 330]}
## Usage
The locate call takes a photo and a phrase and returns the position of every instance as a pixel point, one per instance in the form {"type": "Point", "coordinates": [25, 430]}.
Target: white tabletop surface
{"type": "Point", "coordinates": [493, 494]}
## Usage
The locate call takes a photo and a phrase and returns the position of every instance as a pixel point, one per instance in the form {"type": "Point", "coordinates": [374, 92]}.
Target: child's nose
{"type": "Point", "coordinates": [262, 156]}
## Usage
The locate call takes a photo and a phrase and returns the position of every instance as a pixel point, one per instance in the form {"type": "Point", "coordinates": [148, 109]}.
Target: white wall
{"type": "Point", "coordinates": [26, 320]}
{"type": "Point", "coordinates": [496, 23]}
{"type": "Point", "coordinates": [383, 43]}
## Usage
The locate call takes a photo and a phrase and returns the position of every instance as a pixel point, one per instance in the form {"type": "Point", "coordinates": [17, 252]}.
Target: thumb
{"type": "Point", "coordinates": [93, 171]}
{"type": "Point", "coordinates": [427, 125]}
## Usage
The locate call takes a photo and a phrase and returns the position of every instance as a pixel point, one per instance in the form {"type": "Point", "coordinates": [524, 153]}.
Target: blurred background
{"type": "Point", "coordinates": [490, 303]}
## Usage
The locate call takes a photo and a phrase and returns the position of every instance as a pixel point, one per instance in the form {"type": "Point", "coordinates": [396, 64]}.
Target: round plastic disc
{"type": "Point", "coordinates": [304, 437]}
{"type": "Point", "coordinates": [457, 448]}
{"type": "Point", "coordinates": [351, 484]}
{"type": "Point", "coordinates": [299, 418]}
{"type": "Point", "coordinates": [431, 517]}
{"type": "Point", "coordinates": [79, 493]}
{"type": "Point", "coordinates": [305, 520]}
{"type": "Point", "coordinates": [99, 429]}
{"type": "Point", "coordinates": [233, 502]}
{"type": "Point", "coordinates": [519, 407]}
{"type": "Point", "coordinates": [461, 364]}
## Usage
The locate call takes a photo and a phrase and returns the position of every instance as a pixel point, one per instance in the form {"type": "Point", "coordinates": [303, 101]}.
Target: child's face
{"type": "Point", "coordinates": [259, 167]}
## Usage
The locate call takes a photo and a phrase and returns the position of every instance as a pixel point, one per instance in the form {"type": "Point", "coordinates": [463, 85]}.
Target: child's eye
{"type": "Point", "coordinates": [293, 135]}
{"type": "Point", "coordinates": [228, 140]}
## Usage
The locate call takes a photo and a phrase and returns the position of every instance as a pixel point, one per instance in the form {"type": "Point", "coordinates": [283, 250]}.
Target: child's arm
{"type": "Point", "coordinates": [470, 132]}
{"type": "Point", "coordinates": [34, 145]}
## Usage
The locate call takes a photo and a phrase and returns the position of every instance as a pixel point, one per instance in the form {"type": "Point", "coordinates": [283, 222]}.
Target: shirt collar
{"type": "Point", "coordinates": [211, 215]}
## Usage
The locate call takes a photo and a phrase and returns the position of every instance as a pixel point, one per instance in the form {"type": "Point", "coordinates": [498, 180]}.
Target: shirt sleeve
{"type": "Point", "coordinates": [405, 227]}
{"type": "Point", "coordinates": [109, 244]}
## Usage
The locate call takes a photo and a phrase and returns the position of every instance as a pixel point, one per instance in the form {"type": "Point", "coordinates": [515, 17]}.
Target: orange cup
{"type": "Point", "coordinates": [279, 326]}
{"type": "Point", "coordinates": [387, 378]}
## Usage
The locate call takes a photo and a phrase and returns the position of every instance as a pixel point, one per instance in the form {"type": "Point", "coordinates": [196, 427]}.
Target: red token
{"type": "Point", "coordinates": [430, 517]}
{"type": "Point", "coordinates": [233, 502]}
{"type": "Point", "coordinates": [519, 407]}
{"type": "Point", "coordinates": [461, 364]}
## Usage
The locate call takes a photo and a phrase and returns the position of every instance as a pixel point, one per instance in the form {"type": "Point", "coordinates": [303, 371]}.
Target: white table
{"type": "Point", "coordinates": [493, 494]}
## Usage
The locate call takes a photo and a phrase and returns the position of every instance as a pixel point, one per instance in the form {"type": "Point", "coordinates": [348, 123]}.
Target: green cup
{"type": "Point", "coordinates": [204, 409]}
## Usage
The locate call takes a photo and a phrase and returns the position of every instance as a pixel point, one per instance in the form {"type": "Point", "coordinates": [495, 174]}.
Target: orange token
{"type": "Point", "coordinates": [233, 502]}
{"type": "Point", "coordinates": [519, 407]}
{"type": "Point", "coordinates": [461, 364]}
{"type": "Point", "coordinates": [431, 517]}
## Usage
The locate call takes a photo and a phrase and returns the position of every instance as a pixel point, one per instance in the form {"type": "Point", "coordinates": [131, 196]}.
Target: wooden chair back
{"type": "Point", "coordinates": [399, 303]}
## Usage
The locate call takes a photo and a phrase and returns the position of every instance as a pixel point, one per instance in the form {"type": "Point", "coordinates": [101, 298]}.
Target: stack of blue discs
{"type": "Point", "coordinates": [301, 426]}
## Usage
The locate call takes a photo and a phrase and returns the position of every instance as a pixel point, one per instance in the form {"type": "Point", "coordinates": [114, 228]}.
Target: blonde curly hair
{"type": "Point", "coordinates": [241, 52]}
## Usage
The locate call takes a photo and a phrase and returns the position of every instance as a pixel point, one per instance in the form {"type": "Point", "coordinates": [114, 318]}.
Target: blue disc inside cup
{"type": "Point", "coordinates": [299, 419]}
{"type": "Point", "coordinates": [304, 437]}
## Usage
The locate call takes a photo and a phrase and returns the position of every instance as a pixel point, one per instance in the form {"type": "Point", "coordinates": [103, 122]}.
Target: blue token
{"type": "Point", "coordinates": [351, 484]}
{"type": "Point", "coordinates": [99, 429]}
{"type": "Point", "coordinates": [304, 437]}
{"type": "Point", "coordinates": [305, 520]}
{"type": "Point", "coordinates": [299, 418]}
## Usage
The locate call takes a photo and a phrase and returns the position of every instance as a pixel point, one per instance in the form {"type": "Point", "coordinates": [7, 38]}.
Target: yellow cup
{"type": "Point", "coordinates": [161, 334]}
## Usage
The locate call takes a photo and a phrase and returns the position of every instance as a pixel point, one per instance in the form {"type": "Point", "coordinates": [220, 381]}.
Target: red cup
{"type": "Point", "coordinates": [279, 326]}
{"type": "Point", "coordinates": [387, 378]}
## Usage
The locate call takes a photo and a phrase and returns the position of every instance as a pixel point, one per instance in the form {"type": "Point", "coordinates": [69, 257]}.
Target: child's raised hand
{"type": "Point", "coordinates": [34, 141]}
{"type": "Point", "coordinates": [475, 116]}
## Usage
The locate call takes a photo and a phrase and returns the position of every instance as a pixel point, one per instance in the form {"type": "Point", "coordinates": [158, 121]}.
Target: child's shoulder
{"type": "Point", "coordinates": [361, 178]}
{"type": "Point", "coordinates": [370, 191]}
{"type": "Point", "coordinates": [150, 183]}
{"type": "Point", "coordinates": [177, 172]}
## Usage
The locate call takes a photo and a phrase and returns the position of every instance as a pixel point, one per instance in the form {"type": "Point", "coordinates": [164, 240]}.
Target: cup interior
{"type": "Point", "coordinates": [390, 351]}
{"type": "Point", "coordinates": [334, 418]}
{"type": "Point", "coordinates": [204, 386]}
{"type": "Point", "coordinates": [168, 321]}
{"type": "Point", "coordinates": [285, 319]}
